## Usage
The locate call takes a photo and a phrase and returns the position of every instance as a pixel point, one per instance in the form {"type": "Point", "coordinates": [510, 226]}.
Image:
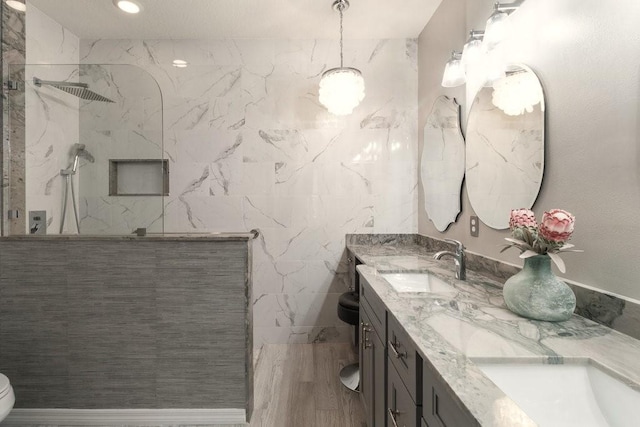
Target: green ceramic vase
{"type": "Point", "coordinates": [536, 293]}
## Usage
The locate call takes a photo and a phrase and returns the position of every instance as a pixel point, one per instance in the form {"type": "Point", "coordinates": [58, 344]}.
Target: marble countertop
{"type": "Point", "coordinates": [452, 331]}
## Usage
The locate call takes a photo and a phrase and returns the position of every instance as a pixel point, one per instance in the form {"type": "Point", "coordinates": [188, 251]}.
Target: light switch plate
{"type": "Point", "coordinates": [474, 226]}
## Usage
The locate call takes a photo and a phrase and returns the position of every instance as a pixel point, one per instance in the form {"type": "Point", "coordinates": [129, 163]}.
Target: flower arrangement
{"type": "Point", "coordinates": [547, 238]}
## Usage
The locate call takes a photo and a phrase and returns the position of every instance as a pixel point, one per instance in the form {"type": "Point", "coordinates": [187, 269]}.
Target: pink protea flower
{"type": "Point", "coordinates": [557, 225]}
{"type": "Point", "coordinates": [522, 218]}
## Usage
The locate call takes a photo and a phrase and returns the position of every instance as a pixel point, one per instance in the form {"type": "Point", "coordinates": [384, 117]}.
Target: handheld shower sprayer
{"type": "Point", "coordinates": [79, 151]}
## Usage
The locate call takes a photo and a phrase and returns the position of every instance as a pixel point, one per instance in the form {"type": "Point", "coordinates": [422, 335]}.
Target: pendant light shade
{"type": "Point", "coordinates": [498, 23]}
{"type": "Point", "coordinates": [454, 74]}
{"type": "Point", "coordinates": [496, 29]}
{"type": "Point", "coordinates": [341, 88]}
{"type": "Point", "coordinates": [473, 49]}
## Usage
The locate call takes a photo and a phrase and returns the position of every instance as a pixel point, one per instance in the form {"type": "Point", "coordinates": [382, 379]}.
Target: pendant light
{"type": "Point", "coordinates": [342, 88]}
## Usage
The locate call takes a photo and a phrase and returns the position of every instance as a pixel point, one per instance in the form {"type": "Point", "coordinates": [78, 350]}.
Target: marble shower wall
{"type": "Point", "coordinates": [51, 116]}
{"type": "Point", "coordinates": [250, 146]}
{"type": "Point", "coordinates": [128, 128]}
{"type": "Point", "coordinates": [13, 141]}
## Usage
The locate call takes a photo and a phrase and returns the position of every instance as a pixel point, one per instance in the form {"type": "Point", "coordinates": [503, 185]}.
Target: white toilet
{"type": "Point", "coordinates": [7, 398]}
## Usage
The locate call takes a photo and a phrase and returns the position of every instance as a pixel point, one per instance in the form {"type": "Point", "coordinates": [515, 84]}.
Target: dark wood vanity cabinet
{"type": "Point", "coordinates": [372, 356]}
{"type": "Point", "coordinates": [403, 403]}
{"type": "Point", "coordinates": [399, 387]}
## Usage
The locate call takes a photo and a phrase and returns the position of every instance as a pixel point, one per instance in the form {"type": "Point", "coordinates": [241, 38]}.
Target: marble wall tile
{"type": "Point", "coordinates": [250, 146]}
{"type": "Point", "coordinates": [51, 116]}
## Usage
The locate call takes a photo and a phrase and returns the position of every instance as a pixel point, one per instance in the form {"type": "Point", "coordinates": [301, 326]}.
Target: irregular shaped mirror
{"type": "Point", "coordinates": [505, 146]}
{"type": "Point", "coordinates": [442, 165]}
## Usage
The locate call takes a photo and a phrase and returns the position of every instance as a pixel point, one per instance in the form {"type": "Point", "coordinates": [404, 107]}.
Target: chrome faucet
{"type": "Point", "coordinates": [458, 256]}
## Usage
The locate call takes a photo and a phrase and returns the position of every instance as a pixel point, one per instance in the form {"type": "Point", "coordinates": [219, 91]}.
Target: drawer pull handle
{"type": "Point", "coordinates": [393, 414]}
{"type": "Point", "coordinates": [364, 338]}
{"type": "Point", "coordinates": [397, 354]}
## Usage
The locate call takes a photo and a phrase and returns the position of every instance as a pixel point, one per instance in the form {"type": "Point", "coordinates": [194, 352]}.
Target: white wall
{"type": "Point", "coordinates": [587, 58]}
{"type": "Point", "coordinates": [51, 119]}
{"type": "Point", "coordinates": [250, 146]}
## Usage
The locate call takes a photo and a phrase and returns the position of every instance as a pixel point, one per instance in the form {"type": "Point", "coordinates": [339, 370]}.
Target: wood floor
{"type": "Point", "coordinates": [297, 385]}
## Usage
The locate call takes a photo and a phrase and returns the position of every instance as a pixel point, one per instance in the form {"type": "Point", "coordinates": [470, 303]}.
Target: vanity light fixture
{"type": "Point", "coordinates": [180, 63]}
{"type": "Point", "coordinates": [472, 50]}
{"type": "Point", "coordinates": [128, 6]}
{"type": "Point", "coordinates": [18, 5]}
{"type": "Point", "coordinates": [498, 23]}
{"type": "Point", "coordinates": [341, 88]}
{"type": "Point", "coordinates": [454, 71]}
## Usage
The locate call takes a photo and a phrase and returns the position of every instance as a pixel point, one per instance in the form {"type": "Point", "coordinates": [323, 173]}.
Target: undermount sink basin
{"type": "Point", "coordinates": [571, 394]}
{"type": "Point", "coordinates": [417, 282]}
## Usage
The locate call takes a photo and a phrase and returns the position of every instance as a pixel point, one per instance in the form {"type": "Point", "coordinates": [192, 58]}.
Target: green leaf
{"type": "Point", "coordinates": [556, 258]}
{"type": "Point", "coordinates": [528, 254]}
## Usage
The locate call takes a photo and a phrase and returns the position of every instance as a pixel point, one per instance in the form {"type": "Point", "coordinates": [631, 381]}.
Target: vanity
{"type": "Point", "coordinates": [440, 352]}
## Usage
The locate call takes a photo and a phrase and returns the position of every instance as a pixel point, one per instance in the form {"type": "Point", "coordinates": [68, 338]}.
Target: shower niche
{"type": "Point", "coordinates": [142, 177]}
{"type": "Point", "coordinates": [73, 131]}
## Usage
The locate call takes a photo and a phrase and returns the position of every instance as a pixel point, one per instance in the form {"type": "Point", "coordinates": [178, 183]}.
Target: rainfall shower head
{"type": "Point", "coordinates": [78, 151]}
{"type": "Point", "coordinates": [81, 90]}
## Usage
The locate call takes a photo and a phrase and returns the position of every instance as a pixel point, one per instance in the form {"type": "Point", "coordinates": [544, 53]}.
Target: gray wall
{"type": "Point", "coordinates": [587, 58]}
{"type": "Point", "coordinates": [125, 323]}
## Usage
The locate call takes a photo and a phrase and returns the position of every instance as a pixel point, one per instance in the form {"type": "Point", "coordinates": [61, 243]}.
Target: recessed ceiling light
{"type": "Point", "coordinates": [17, 5]}
{"type": "Point", "coordinates": [179, 63]}
{"type": "Point", "coordinates": [128, 6]}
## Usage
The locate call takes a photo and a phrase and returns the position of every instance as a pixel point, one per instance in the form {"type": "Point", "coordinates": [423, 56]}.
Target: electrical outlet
{"type": "Point", "coordinates": [474, 226]}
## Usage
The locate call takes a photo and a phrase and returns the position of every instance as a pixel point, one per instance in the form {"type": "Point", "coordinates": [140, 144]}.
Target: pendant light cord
{"type": "Point", "coordinates": [340, 8]}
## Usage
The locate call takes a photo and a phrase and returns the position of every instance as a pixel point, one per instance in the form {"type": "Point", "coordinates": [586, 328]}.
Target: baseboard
{"type": "Point", "coordinates": [137, 417]}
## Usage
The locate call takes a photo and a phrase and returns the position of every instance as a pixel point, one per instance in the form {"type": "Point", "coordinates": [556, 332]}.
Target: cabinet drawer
{"type": "Point", "coordinates": [374, 306]}
{"type": "Point", "coordinates": [441, 407]}
{"type": "Point", "coordinates": [401, 409]}
{"type": "Point", "coordinates": [402, 354]}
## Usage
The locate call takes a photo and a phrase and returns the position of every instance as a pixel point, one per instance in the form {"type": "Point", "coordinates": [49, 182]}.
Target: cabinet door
{"type": "Point", "coordinates": [401, 410]}
{"type": "Point", "coordinates": [379, 380]}
{"type": "Point", "coordinates": [442, 408]}
{"type": "Point", "coordinates": [366, 367]}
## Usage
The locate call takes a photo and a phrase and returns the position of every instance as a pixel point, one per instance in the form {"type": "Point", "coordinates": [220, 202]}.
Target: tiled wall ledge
{"type": "Point", "coordinates": [215, 236]}
{"type": "Point", "coordinates": [613, 311]}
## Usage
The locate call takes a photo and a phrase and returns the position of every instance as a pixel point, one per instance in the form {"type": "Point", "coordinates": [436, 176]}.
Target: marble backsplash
{"type": "Point", "coordinates": [609, 310]}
